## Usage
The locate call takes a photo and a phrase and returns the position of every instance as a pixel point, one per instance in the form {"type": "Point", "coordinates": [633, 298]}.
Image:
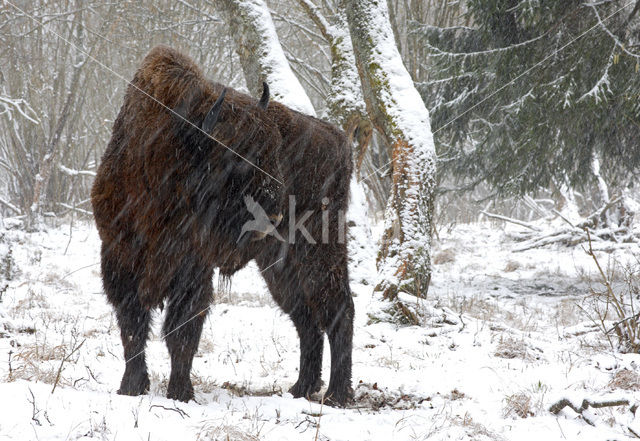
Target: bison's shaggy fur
{"type": "Point", "coordinates": [169, 202]}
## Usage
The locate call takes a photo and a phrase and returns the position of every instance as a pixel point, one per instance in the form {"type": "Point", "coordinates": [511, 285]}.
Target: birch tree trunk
{"type": "Point", "coordinates": [347, 109]}
{"type": "Point", "coordinates": [397, 110]}
{"type": "Point", "coordinates": [261, 55]}
{"type": "Point", "coordinates": [345, 101]}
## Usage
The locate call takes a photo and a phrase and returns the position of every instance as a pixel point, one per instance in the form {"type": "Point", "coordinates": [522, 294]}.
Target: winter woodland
{"type": "Point", "coordinates": [493, 237]}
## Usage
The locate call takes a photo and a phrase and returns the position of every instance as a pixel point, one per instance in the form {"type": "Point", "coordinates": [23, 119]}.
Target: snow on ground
{"type": "Point", "coordinates": [506, 339]}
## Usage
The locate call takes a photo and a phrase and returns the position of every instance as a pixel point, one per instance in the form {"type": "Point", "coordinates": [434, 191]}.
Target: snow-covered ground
{"type": "Point", "coordinates": [504, 338]}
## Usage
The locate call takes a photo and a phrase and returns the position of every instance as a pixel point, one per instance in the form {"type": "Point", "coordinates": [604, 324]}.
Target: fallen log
{"type": "Point", "coordinates": [574, 232]}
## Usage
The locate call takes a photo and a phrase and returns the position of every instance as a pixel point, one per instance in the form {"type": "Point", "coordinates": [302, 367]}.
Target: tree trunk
{"type": "Point", "coordinates": [347, 109]}
{"type": "Point", "coordinates": [397, 110]}
{"type": "Point", "coordinates": [345, 100]}
{"type": "Point", "coordinates": [261, 55]}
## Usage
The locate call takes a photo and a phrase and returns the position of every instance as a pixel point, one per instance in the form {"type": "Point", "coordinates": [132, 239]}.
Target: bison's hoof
{"type": "Point", "coordinates": [180, 391]}
{"type": "Point", "coordinates": [134, 385]}
{"type": "Point", "coordinates": [304, 389]}
{"type": "Point", "coordinates": [338, 399]}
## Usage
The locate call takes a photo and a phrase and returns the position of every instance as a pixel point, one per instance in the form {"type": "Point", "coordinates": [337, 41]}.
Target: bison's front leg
{"type": "Point", "coordinates": [190, 298]}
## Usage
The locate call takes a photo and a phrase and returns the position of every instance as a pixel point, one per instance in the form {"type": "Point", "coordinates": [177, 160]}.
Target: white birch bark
{"type": "Point", "coordinates": [261, 54]}
{"type": "Point", "coordinates": [397, 110]}
{"type": "Point", "coordinates": [345, 101]}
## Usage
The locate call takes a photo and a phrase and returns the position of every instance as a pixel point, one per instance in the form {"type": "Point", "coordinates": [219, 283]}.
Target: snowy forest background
{"type": "Point", "coordinates": [514, 113]}
{"type": "Point", "coordinates": [534, 110]}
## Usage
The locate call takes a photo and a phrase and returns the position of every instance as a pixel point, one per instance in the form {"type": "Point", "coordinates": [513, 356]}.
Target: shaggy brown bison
{"type": "Point", "coordinates": [190, 163]}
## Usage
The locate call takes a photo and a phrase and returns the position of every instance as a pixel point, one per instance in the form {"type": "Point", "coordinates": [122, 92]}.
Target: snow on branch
{"type": "Point", "coordinates": [74, 208]}
{"type": "Point", "coordinates": [70, 172]}
{"type": "Point", "coordinates": [516, 106]}
{"type": "Point", "coordinates": [447, 80]}
{"type": "Point", "coordinates": [10, 104]}
{"type": "Point", "coordinates": [199, 11]}
{"type": "Point", "coordinates": [428, 27]}
{"type": "Point", "coordinates": [620, 45]}
{"type": "Point", "coordinates": [317, 17]}
{"type": "Point", "coordinates": [439, 52]}
{"type": "Point", "coordinates": [586, 403]}
{"type": "Point", "coordinates": [258, 34]}
{"type": "Point", "coordinates": [603, 85]}
{"type": "Point", "coordinates": [514, 221]}
{"type": "Point", "coordinates": [459, 99]}
{"type": "Point", "coordinates": [10, 206]}
{"type": "Point", "coordinates": [597, 226]}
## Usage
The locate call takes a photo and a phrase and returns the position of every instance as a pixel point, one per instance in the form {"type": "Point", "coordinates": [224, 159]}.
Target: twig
{"type": "Point", "coordinates": [605, 280]}
{"type": "Point", "coordinates": [629, 333]}
{"type": "Point", "coordinates": [34, 412]}
{"type": "Point", "coordinates": [63, 361]}
{"type": "Point", "coordinates": [563, 218]}
{"type": "Point", "coordinates": [180, 412]}
{"type": "Point", "coordinates": [464, 325]}
{"type": "Point", "coordinates": [91, 374]}
{"type": "Point", "coordinates": [319, 417]}
{"type": "Point", "coordinates": [74, 208]}
{"type": "Point", "coordinates": [10, 206]}
{"type": "Point", "coordinates": [70, 235]}
{"type": "Point", "coordinates": [513, 221]}
{"type": "Point", "coordinates": [615, 325]}
{"type": "Point", "coordinates": [560, 427]}
{"type": "Point", "coordinates": [10, 369]}
{"type": "Point", "coordinates": [586, 403]}
{"type": "Point", "coordinates": [81, 268]}
{"type": "Point", "coordinates": [407, 313]}
{"type": "Point", "coordinates": [307, 420]}
{"type": "Point", "coordinates": [599, 212]}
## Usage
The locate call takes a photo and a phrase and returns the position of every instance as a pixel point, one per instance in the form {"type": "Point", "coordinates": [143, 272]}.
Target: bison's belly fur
{"type": "Point", "coordinates": [168, 203]}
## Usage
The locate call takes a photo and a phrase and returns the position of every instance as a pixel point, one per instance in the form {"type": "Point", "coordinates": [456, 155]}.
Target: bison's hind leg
{"type": "Point", "coordinates": [339, 326]}
{"type": "Point", "coordinates": [311, 346]}
{"type": "Point", "coordinates": [335, 309]}
{"type": "Point", "coordinates": [190, 297]}
{"type": "Point", "coordinates": [121, 287]}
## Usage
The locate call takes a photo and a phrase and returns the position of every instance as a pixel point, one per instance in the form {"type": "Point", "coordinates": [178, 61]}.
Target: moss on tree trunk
{"type": "Point", "coordinates": [397, 111]}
